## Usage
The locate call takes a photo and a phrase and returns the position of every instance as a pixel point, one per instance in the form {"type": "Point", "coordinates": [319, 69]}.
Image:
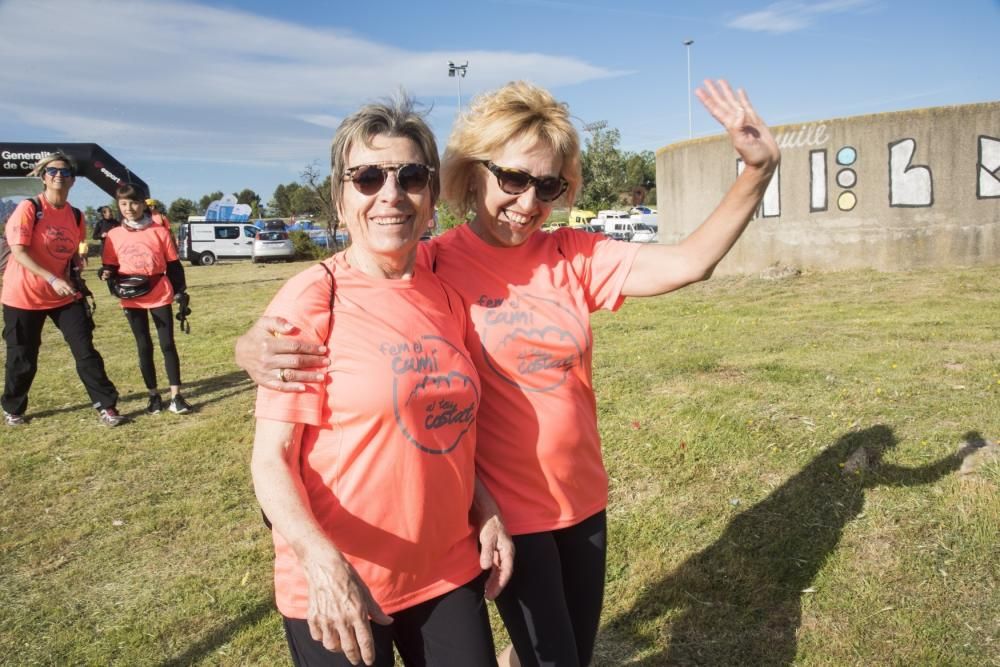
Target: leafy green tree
{"type": "Point", "coordinates": [640, 172]}
{"type": "Point", "coordinates": [279, 201]}
{"type": "Point", "coordinates": [640, 169]}
{"type": "Point", "coordinates": [180, 209]}
{"type": "Point", "coordinates": [304, 201]}
{"type": "Point", "coordinates": [446, 219]}
{"type": "Point", "coordinates": [604, 177]}
{"type": "Point", "coordinates": [289, 200]}
{"type": "Point", "coordinates": [610, 174]}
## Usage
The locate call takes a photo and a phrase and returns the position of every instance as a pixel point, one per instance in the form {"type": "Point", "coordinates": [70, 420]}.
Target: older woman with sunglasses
{"type": "Point", "coordinates": [530, 296]}
{"type": "Point", "coordinates": [38, 284]}
{"type": "Point", "coordinates": [369, 478]}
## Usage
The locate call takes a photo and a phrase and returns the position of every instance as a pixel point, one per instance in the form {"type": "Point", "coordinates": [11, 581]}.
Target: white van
{"type": "Point", "coordinates": [203, 243]}
{"type": "Point", "coordinates": [619, 228]}
{"type": "Point", "coordinates": [612, 215]}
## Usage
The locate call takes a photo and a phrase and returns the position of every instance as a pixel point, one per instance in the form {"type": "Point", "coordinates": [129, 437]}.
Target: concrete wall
{"type": "Point", "coordinates": [887, 191]}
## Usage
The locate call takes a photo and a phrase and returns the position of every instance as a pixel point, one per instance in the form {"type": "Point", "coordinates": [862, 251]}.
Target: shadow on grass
{"type": "Point", "coordinates": [237, 380]}
{"type": "Point", "coordinates": [221, 636]}
{"type": "Point", "coordinates": [738, 602]}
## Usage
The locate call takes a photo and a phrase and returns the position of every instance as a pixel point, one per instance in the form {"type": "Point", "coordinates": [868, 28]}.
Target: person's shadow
{"type": "Point", "coordinates": [738, 602]}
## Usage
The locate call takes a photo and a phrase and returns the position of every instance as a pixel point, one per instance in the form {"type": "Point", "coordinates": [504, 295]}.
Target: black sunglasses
{"type": "Point", "coordinates": [515, 182]}
{"type": "Point", "coordinates": [368, 179]}
{"type": "Point", "coordinates": [65, 172]}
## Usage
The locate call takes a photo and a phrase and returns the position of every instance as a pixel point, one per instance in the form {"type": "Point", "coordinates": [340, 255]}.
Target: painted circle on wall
{"type": "Point", "coordinates": [846, 155]}
{"type": "Point", "coordinates": [846, 201]}
{"type": "Point", "coordinates": [846, 178]}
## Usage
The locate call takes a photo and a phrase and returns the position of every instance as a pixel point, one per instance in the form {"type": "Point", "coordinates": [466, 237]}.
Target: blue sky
{"type": "Point", "coordinates": [203, 96]}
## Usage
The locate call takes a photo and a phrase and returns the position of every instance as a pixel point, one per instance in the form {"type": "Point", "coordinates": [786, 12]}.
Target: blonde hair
{"type": "Point", "coordinates": [519, 110]}
{"type": "Point", "coordinates": [57, 156]}
{"type": "Point", "coordinates": [395, 117]}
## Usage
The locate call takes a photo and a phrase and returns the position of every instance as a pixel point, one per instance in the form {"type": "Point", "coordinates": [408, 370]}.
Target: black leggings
{"type": "Point", "coordinates": [163, 319]}
{"type": "Point", "coordinates": [22, 333]}
{"type": "Point", "coordinates": [552, 605]}
{"type": "Point", "coordinates": [451, 630]}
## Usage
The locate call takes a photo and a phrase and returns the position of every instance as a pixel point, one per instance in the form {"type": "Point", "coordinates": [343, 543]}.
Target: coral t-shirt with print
{"type": "Point", "coordinates": [388, 452]}
{"type": "Point", "coordinates": [142, 253]}
{"type": "Point", "coordinates": [539, 450]}
{"type": "Point", "coordinates": [52, 239]}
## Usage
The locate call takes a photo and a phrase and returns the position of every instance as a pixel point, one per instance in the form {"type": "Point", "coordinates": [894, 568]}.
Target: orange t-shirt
{"type": "Point", "coordinates": [539, 452]}
{"type": "Point", "coordinates": [52, 240]}
{"type": "Point", "coordinates": [388, 451]}
{"type": "Point", "coordinates": [142, 253]}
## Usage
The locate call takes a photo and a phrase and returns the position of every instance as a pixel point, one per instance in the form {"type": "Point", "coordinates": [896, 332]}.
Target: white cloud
{"type": "Point", "coordinates": [782, 17]}
{"type": "Point", "coordinates": [321, 119]}
{"type": "Point", "coordinates": [197, 80]}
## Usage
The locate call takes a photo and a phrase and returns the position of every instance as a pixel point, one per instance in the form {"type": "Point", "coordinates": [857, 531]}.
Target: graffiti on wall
{"type": "Point", "coordinates": [988, 184]}
{"type": "Point", "coordinates": [817, 181]}
{"type": "Point", "coordinates": [909, 185]}
{"type": "Point", "coordinates": [770, 206]}
{"type": "Point", "coordinates": [807, 135]}
{"type": "Point", "coordinates": [847, 177]}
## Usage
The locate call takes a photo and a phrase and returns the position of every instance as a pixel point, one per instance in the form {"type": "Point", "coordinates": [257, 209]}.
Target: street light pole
{"type": "Point", "coordinates": [458, 71]}
{"type": "Point", "coordinates": [687, 47]}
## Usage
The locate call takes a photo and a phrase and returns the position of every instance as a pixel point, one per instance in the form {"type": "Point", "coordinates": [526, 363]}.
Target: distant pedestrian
{"type": "Point", "coordinates": [156, 213]}
{"type": "Point", "coordinates": [104, 224]}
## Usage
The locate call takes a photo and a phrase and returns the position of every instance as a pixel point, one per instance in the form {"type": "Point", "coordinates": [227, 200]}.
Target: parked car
{"type": "Point", "coordinates": [593, 229]}
{"type": "Point", "coordinates": [644, 234]}
{"type": "Point", "coordinates": [268, 245]}
{"type": "Point", "coordinates": [620, 229]}
{"type": "Point", "coordinates": [273, 224]}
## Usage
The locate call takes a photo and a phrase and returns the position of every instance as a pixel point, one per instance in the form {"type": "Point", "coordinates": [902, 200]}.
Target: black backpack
{"type": "Point", "coordinates": [37, 204]}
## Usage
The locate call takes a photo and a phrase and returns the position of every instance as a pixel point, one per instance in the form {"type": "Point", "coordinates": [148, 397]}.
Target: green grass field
{"type": "Point", "coordinates": [728, 410]}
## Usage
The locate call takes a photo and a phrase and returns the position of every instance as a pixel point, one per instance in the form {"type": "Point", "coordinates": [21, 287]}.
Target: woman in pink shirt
{"type": "Point", "coordinates": [381, 530]}
{"type": "Point", "coordinates": [44, 236]}
{"type": "Point", "coordinates": [510, 159]}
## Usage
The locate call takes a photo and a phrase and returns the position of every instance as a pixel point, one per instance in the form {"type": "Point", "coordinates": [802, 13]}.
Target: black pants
{"type": "Point", "coordinates": [452, 630]}
{"type": "Point", "coordinates": [22, 334]}
{"type": "Point", "coordinates": [552, 605]}
{"type": "Point", "coordinates": [163, 319]}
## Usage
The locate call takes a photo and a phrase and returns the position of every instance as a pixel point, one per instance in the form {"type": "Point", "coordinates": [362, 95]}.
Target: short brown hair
{"type": "Point", "coordinates": [518, 110]}
{"type": "Point", "coordinates": [129, 191]}
{"type": "Point", "coordinates": [394, 117]}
